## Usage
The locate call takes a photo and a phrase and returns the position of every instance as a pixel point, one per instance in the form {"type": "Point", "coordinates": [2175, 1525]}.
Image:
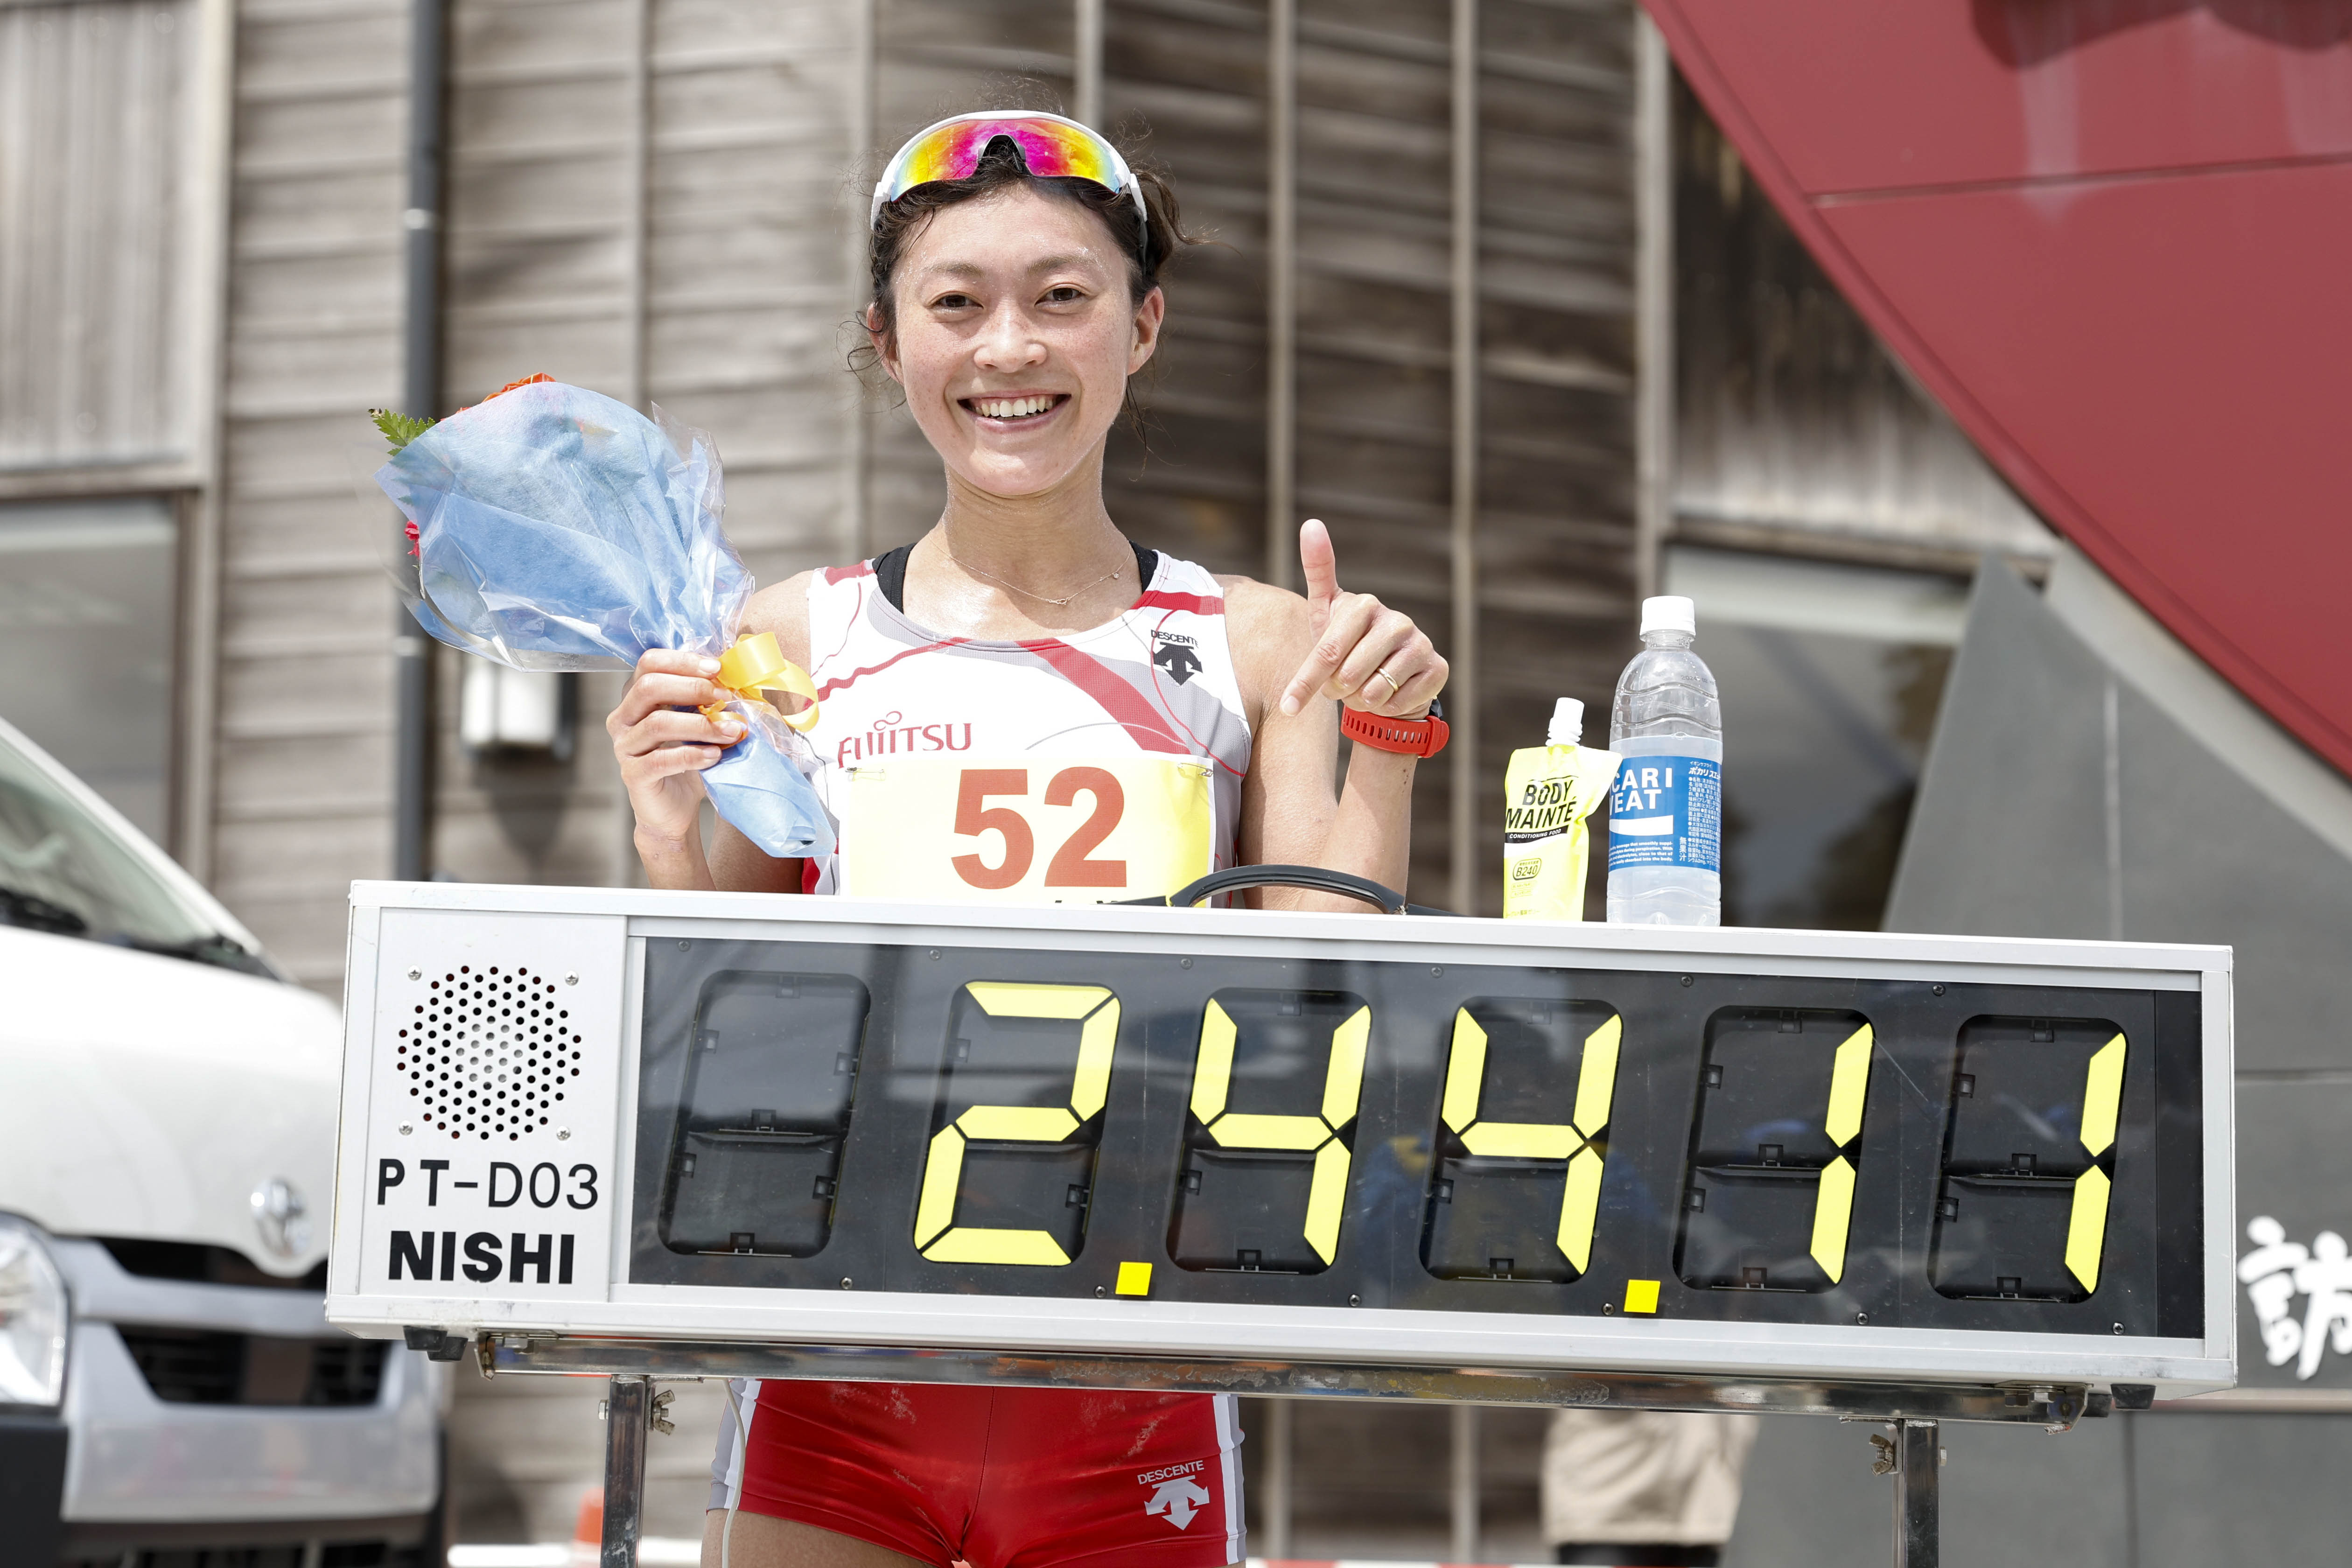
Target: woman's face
{"type": "Point", "coordinates": [1015, 337]}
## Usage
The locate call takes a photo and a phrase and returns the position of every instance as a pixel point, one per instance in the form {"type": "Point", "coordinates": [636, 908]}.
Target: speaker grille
{"type": "Point", "coordinates": [486, 1053]}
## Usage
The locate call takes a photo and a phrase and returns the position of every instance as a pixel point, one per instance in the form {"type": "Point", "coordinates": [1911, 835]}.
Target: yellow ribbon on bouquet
{"type": "Point", "coordinates": [756, 666]}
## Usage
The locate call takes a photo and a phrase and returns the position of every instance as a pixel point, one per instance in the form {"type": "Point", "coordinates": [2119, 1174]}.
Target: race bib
{"type": "Point", "coordinates": [1030, 830]}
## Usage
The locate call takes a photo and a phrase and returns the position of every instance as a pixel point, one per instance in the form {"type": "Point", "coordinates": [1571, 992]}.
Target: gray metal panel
{"type": "Point", "coordinates": [2297, 1170]}
{"type": "Point", "coordinates": [2011, 1496]}
{"type": "Point", "coordinates": [2010, 833]}
{"type": "Point", "coordinates": [2242, 1489]}
{"type": "Point", "coordinates": [2206, 859]}
{"type": "Point", "coordinates": [2166, 1491]}
{"type": "Point", "coordinates": [2013, 831]}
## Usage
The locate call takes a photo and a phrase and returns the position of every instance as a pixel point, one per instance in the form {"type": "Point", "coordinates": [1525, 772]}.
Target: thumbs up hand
{"type": "Point", "coordinates": [1366, 655]}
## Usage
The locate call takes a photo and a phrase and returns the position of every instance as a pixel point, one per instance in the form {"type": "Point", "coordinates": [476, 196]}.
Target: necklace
{"type": "Point", "coordinates": [1063, 602]}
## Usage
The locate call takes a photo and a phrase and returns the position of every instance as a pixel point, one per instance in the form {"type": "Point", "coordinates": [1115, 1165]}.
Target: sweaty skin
{"type": "Point", "coordinates": [1014, 303]}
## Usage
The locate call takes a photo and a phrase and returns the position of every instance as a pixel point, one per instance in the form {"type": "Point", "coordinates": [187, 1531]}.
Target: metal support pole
{"type": "Point", "coordinates": [1919, 1455]}
{"type": "Point", "coordinates": [856, 532]}
{"type": "Point", "coordinates": [1465, 1498]}
{"type": "Point", "coordinates": [1086, 65]}
{"type": "Point", "coordinates": [412, 764]}
{"type": "Point", "coordinates": [1466, 809]}
{"type": "Point", "coordinates": [1273, 1508]}
{"type": "Point", "coordinates": [1653, 302]}
{"type": "Point", "coordinates": [627, 1412]}
{"type": "Point", "coordinates": [639, 381]}
{"type": "Point", "coordinates": [1282, 517]}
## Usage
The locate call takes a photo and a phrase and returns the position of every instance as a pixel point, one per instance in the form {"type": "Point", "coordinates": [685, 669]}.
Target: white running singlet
{"type": "Point", "coordinates": [1098, 765]}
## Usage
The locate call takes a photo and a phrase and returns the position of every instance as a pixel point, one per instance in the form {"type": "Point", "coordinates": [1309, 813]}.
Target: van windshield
{"type": "Point", "coordinates": [64, 872]}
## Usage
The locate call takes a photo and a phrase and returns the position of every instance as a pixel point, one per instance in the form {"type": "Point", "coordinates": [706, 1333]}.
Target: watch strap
{"type": "Point", "coordinates": [1407, 737]}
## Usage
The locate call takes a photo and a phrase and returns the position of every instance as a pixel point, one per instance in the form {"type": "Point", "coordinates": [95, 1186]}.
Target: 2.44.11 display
{"type": "Point", "coordinates": [1376, 1117]}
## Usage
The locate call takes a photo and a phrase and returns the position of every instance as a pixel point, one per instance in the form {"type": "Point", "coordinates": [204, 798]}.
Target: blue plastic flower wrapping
{"type": "Point", "coordinates": [557, 529]}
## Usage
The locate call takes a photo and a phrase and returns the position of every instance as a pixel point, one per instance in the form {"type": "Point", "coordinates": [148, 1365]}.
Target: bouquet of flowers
{"type": "Point", "coordinates": [551, 528]}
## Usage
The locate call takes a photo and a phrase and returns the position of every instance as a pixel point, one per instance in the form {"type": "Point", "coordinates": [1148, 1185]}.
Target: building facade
{"type": "Point", "coordinates": [1485, 290]}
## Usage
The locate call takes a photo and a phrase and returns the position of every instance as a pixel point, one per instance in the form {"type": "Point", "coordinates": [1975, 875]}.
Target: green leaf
{"type": "Point", "coordinates": [399, 429]}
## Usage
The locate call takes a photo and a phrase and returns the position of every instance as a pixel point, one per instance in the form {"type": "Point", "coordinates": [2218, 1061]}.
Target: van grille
{"type": "Point", "coordinates": [185, 1366]}
{"type": "Point", "coordinates": [191, 1261]}
{"type": "Point", "coordinates": [345, 1372]}
{"type": "Point", "coordinates": [196, 1366]}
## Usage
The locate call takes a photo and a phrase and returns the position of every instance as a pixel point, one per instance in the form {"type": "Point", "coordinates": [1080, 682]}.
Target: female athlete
{"type": "Point", "coordinates": [1068, 716]}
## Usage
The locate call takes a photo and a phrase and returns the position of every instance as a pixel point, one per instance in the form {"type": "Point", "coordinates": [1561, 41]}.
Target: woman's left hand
{"type": "Point", "coordinates": [1366, 655]}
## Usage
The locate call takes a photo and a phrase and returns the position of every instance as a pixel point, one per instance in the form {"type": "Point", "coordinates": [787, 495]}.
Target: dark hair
{"type": "Point", "coordinates": [1148, 245]}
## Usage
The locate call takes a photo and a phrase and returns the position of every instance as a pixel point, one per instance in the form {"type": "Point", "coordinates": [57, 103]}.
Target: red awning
{"type": "Point", "coordinates": [2114, 238]}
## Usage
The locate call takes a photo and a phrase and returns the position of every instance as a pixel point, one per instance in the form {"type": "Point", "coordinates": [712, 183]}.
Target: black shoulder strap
{"type": "Point", "coordinates": [890, 573]}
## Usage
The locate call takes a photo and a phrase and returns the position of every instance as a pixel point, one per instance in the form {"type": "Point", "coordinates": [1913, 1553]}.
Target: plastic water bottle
{"type": "Point", "coordinates": [1666, 814]}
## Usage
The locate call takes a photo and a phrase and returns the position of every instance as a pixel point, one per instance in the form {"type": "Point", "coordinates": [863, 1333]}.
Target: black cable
{"type": "Point", "coordinates": [1315, 879]}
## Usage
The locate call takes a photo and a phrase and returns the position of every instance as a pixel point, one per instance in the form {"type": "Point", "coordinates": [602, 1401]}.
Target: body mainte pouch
{"type": "Point", "coordinates": [1549, 792]}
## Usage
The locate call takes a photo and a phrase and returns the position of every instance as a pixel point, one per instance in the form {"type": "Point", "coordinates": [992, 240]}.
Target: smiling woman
{"type": "Point", "coordinates": [1026, 706]}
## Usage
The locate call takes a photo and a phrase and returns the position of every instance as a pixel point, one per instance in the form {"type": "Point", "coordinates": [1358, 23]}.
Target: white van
{"type": "Point", "coordinates": [169, 1388]}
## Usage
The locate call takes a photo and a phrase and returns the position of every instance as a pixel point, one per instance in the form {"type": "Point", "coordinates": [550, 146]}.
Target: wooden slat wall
{"type": "Point", "coordinates": [1555, 547]}
{"type": "Point", "coordinates": [1554, 532]}
{"type": "Point", "coordinates": [313, 341]}
{"type": "Point", "coordinates": [1795, 426]}
{"type": "Point", "coordinates": [755, 106]}
{"type": "Point", "coordinates": [539, 239]}
{"type": "Point", "coordinates": [650, 200]}
{"type": "Point", "coordinates": [98, 172]}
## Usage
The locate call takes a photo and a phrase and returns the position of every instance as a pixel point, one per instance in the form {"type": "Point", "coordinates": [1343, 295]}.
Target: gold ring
{"type": "Point", "coordinates": [1384, 675]}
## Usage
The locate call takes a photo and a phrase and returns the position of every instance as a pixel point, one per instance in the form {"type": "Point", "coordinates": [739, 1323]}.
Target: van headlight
{"type": "Point", "coordinates": [34, 1317]}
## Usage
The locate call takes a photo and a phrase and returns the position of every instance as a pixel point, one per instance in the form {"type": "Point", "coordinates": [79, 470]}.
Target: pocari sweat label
{"type": "Point", "coordinates": [1666, 811]}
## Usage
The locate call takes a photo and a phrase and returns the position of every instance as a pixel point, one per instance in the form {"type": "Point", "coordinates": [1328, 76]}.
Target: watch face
{"type": "Point", "coordinates": [1437, 708]}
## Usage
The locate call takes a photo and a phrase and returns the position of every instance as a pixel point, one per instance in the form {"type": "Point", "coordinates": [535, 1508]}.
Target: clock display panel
{"type": "Point", "coordinates": [1472, 1137]}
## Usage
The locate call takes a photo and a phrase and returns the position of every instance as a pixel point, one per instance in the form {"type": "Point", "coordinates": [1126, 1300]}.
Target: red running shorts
{"type": "Point", "coordinates": [1000, 1478]}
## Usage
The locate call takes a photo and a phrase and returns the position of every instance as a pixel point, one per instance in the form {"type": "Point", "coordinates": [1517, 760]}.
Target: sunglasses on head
{"type": "Point", "coordinates": [1051, 148]}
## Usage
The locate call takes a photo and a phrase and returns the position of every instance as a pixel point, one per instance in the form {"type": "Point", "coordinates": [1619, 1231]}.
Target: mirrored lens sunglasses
{"type": "Point", "coordinates": [1051, 147]}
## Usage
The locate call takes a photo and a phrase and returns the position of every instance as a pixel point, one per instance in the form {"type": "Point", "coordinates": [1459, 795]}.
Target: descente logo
{"type": "Point", "coordinates": [892, 735]}
{"type": "Point", "coordinates": [1149, 1476]}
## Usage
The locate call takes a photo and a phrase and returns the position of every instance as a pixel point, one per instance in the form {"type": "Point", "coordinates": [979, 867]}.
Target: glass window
{"type": "Point", "coordinates": [62, 870]}
{"type": "Point", "coordinates": [1829, 676]}
{"type": "Point", "coordinates": [86, 637]}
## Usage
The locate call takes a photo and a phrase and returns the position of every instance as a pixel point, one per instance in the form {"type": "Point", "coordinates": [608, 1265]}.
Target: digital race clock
{"type": "Point", "coordinates": [1209, 1138]}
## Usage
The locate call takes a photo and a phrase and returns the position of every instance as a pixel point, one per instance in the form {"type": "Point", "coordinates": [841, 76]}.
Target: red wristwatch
{"type": "Point", "coordinates": [1410, 737]}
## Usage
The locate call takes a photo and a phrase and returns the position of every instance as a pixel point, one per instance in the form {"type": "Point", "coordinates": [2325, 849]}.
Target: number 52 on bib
{"type": "Point", "coordinates": [1027, 830]}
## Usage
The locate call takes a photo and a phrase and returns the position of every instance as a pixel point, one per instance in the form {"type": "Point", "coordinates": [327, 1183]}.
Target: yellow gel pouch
{"type": "Point", "coordinates": [1548, 794]}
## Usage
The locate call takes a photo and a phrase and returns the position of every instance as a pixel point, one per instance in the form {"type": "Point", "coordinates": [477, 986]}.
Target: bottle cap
{"type": "Point", "coordinates": [1567, 723]}
{"type": "Point", "coordinates": [1669, 613]}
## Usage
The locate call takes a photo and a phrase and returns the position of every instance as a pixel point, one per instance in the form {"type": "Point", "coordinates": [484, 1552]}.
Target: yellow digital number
{"type": "Point", "coordinates": [1596, 1086]}
{"type": "Point", "coordinates": [1833, 1204]}
{"type": "Point", "coordinates": [1343, 1084]}
{"type": "Point", "coordinates": [937, 1236]}
{"type": "Point", "coordinates": [2103, 1096]}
